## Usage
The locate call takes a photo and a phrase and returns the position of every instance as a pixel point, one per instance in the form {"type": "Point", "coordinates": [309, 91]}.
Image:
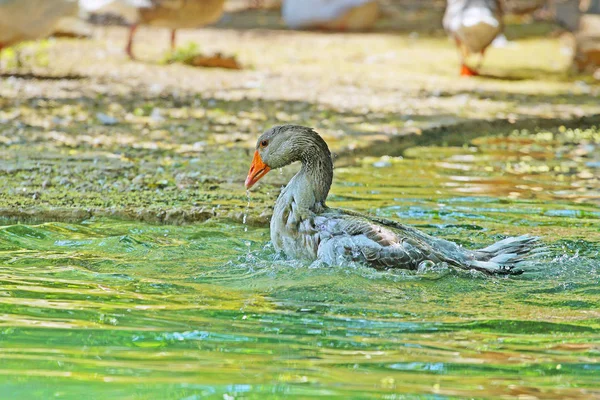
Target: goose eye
{"type": "Point", "coordinates": [264, 143]}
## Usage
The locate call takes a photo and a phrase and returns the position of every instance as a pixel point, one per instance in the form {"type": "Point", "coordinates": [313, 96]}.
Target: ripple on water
{"type": "Point", "coordinates": [121, 309]}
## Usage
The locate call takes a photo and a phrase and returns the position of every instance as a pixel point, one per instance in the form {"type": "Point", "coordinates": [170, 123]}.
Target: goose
{"type": "Point", "coordinates": [171, 14]}
{"type": "Point", "coordinates": [343, 15]}
{"type": "Point", "coordinates": [304, 227]}
{"type": "Point", "coordinates": [474, 24]}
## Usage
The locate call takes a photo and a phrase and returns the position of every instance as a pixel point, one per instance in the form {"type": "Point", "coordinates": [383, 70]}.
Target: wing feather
{"type": "Point", "coordinates": [378, 242]}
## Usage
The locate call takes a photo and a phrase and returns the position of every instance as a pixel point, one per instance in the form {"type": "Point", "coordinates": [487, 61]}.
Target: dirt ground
{"type": "Point", "coordinates": [86, 132]}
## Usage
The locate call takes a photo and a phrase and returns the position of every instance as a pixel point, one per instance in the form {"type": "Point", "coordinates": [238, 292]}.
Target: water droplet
{"type": "Point", "coordinates": [245, 217]}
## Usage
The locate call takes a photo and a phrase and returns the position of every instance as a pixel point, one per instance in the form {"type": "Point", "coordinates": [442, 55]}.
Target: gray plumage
{"type": "Point", "coordinates": [304, 227]}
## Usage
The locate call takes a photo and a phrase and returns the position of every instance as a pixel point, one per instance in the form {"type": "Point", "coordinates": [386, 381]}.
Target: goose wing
{"type": "Point", "coordinates": [378, 242]}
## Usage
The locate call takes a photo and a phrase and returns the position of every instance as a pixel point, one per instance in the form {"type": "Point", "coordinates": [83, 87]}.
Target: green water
{"type": "Point", "coordinates": [112, 309]}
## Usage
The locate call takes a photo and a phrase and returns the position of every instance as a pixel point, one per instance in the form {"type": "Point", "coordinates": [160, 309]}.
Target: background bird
{"type": "Point", "coordinates": [171, 14]}
{"type": "Point", "coordinates": [330, 14]}
{"type": "Point", "coordinates": [474, 24]}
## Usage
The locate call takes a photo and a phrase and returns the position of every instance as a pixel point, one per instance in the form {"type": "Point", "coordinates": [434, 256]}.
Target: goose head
{"type": "Point", "coordinates": [283, 145]}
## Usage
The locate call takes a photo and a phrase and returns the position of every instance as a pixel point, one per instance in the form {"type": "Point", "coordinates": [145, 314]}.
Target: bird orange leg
{"type": "Point", "coordinates": [173, 39]}
{"type": "Point", "coordinates": [129, 48]}
{"type": "Point", "coordinates": [465, 70]}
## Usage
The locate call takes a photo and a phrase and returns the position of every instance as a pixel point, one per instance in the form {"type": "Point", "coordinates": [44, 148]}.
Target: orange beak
{"type": "Point", "coordinates": [258, 169]}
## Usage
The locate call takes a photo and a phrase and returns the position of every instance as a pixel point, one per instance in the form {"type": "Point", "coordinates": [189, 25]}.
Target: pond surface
{"type": "Point", "coordinates": [112, 309]}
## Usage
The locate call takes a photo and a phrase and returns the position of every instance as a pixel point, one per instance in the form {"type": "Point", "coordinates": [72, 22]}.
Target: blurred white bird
{"type": "Point", "coordinates": [172, 14]}
{"type": "Point", "coordinates": [22, 20]}
{"type": "Point", "coordinates": [474, 24]}
{"type": "Point", "coordinates": [330, 14]}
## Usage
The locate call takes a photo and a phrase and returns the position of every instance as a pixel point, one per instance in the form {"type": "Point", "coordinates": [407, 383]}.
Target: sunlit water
{"type": "Point", "coordinates": [109, 309]}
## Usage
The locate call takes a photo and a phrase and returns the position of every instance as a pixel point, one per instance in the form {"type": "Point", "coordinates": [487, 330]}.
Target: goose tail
{"type": "Point", "coordinates": [506, 257]}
